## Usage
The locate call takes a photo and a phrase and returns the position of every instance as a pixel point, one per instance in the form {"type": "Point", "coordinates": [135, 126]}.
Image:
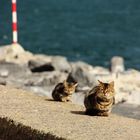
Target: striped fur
{"type": "Point", "coordinates": [99, 100]}
{"type": "Point", "coordinates": [63, 91]}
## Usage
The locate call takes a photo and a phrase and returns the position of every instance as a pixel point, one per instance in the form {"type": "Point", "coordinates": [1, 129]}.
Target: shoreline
{"type": "Point", "coordinates": [39, 73]}
{"type": "Point", "coordinates": [26, 83]}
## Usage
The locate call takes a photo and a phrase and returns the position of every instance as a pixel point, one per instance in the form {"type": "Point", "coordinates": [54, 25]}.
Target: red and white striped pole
{"type": "Point", "coordinates": [14, 21]}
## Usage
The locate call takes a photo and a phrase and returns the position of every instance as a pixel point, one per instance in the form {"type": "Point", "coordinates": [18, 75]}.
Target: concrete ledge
{"type": "Point", "coordinates": [64, 119]}
{"type": "Point", "coordinates": [10, 130]}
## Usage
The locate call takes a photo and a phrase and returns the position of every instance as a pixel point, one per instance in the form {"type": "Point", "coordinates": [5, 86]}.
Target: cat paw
{"type": "Point", "coordinates": [105, 114]}
{"type": "Point", "coordinates": [63, 100]}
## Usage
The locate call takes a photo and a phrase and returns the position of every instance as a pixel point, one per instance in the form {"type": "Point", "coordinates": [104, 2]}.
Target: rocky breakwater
{"type": "Point", "coordinates": [40, 73]}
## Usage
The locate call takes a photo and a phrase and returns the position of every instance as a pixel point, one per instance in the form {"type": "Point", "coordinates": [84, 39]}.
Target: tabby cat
{"type": "Point", "coordinates": [99, 100]}
{"type": "Point", "coordinates": [63, 91]}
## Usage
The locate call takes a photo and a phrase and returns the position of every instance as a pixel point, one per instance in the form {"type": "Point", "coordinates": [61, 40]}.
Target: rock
{"type": "Point", "coordinates": [132, 72]}
{"type": "Point", "coordinates": [14, 70]}
{"type": "Point", "coordinates": [13, 49]}
{"type": "Point", "coordinates": [44, 79]}
{"type": "Point", "coordinates": [2, 81]}
{"type": "Point", "coordinates": [128, 87]}
{"type": "Point", "coordinates": [83, 73]}
{"type": "Point", "coordinates": [36, 81]}
{"type": "Point", "coordinates": [42, 91]}
{"type": "Point", "coordinates": [86, 75]}
{"type": "Point", "coordinates": [117, 64]}
{"type": "Point", "coordinates": [43, 58]}
{"type": "Point", "coordinates": [61, 64]}
{"type": "Point", "coordinates": [42, 83]}
{"type": "Point", "coordinates": [127, 110]}
{"type": "Point", "coordinates": [133, 98]}
{"type": "Point", "coordinates": [71, 79]}
{"type": "Point", "coordinates": [40, 66]}
{"type": "Point", "coordinates": [54, 78]}
{"type": "Point", "coordinates": [4, 73]}
{"type": "Point", "coordinates": [100, 70]}
{"type": "Point", "coordinates": [82, 65]}
{"type": "Point", "coordinates": [38, 73]}
{"type": "Point", "coordinates": [14, 53]}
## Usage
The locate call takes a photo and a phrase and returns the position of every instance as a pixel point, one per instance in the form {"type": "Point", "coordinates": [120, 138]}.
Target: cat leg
{"type": "Point", "coordinates": [64, 99]}
{"type": "Point", "coordinates": [69, 99]}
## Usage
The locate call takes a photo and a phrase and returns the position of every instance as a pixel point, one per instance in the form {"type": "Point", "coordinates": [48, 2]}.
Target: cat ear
{"type": "Point", "coordinates": [101, 83]}
{"type": "Point", "coordinates": [75, 84]}
{"type": "Point", "coordinates": [65, 83]}
{"type": "Point", "coordinates": [111, 84]}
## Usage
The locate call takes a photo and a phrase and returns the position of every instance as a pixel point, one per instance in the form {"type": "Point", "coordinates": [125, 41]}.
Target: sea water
{"type": "Point", "coordinates": [87, 30]}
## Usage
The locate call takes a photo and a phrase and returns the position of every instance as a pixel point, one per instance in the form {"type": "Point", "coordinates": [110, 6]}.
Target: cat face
{"type": "Point", "coordinates": [106, 90]}
{"type": "Point", "coordinates": [69, 88]}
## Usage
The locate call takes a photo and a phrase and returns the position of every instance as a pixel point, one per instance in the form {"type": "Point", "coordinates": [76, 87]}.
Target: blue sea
{"type": "Point", "coordinates": [89, 30]}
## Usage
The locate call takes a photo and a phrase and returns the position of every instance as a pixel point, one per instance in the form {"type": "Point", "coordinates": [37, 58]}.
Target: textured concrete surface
{"type": "Point", "coordinates": [64, 119]}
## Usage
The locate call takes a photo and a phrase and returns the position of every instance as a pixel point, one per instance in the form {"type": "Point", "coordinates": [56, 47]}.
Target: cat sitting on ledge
{"type": "Point", "coordinates": [63, 91]}
{"type": "Point", "coordinates": [99, 100]}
